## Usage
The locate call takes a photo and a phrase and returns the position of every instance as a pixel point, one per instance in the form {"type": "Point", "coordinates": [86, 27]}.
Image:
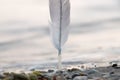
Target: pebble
{"type": "Point", "coordinates": [80, 78]}
{"type": "Point", "coordinates": [50, 71]}
{"type": "Point", "coordinates": [70, 74]}
{"type": "Point", "coordinates": [1, 77]}
{"type": "Point", "coordinates": [115, 65]}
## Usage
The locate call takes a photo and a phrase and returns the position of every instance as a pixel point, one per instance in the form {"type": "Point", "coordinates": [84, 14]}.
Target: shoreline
{"type": "Point", "coordinates": [73, 73]}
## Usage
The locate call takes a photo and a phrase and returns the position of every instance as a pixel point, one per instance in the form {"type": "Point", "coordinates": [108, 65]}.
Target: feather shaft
{"type": "Point", "coordinates": [59, 60]}
{"type": "Point", "coordinates": [60, 27]}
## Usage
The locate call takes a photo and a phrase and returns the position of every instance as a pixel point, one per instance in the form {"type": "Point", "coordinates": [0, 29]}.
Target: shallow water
{"type": "Point", "coordinates": [24, 33]}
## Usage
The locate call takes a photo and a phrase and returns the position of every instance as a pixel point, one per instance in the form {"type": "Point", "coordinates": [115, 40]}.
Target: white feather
{"type": "Point", "coordinates": [60, 19]}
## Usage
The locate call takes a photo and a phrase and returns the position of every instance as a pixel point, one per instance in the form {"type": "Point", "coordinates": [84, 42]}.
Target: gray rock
{"type": "Point", "coordinates": [92, 71]}
{"type": "Point", "coordinates": [50, 71]}
{"type": "Point", "coordinates": [1, 76]}
{"type": "Point", "coordinates": [80, 78]}
{"type": "Point", "coordinates": [112, 77]}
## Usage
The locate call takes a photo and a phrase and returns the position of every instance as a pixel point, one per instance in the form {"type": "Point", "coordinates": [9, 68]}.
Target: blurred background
{"type": "Point", "coordinates": [24, 33]}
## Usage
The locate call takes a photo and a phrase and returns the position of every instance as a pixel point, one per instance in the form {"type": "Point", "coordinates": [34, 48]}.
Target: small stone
{"type": "Point", "coordinates": [75, 69]}
{"type": "Point", "coordinates": [74, 75]}
{"type": "Point", "coordinates": [80, 78]}
{"type": "Point", "coordinates": [50, 71]}
{"type": "Point", "coordinates": [38, 73]}
{"type": "Point", "coordinates": [82, 74]}
{"type": "Point", "coordinates": [42, 78]}
{"type": "Point", "coordinates": [112, 73]}
{"type": "Point", "coordinates": [6, 73]}
{"type": "Point", "coordinates": [60, 77]}
{"type": "Point", "coordinates": [16, 76]}
{"type": "Point", "coordinates": [82, 66]}
{"type": "Point", "coordinates": [32, 76]}
{"type": "Point", "coordinates": [2, 77]}
{"type": "Point", "coordinates": [114, 65]}
{"type": "Point", "coordinates": [32, 69]}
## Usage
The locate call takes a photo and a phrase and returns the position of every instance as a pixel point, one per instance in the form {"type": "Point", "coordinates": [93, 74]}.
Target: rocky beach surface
{"type": "Point", "coordinates": [97, 73]}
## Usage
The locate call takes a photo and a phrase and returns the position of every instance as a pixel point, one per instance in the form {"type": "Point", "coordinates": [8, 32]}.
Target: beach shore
{"type": "Point", "coordinates": [81, 73]}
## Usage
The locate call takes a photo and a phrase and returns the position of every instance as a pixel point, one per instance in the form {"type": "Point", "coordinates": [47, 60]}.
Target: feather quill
{"type": "Point", "coordinates": [60, 19]}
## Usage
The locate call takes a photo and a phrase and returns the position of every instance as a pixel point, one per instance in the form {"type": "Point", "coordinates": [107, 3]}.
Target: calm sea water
{"type": "Point", "coordinates": [24, 33]}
